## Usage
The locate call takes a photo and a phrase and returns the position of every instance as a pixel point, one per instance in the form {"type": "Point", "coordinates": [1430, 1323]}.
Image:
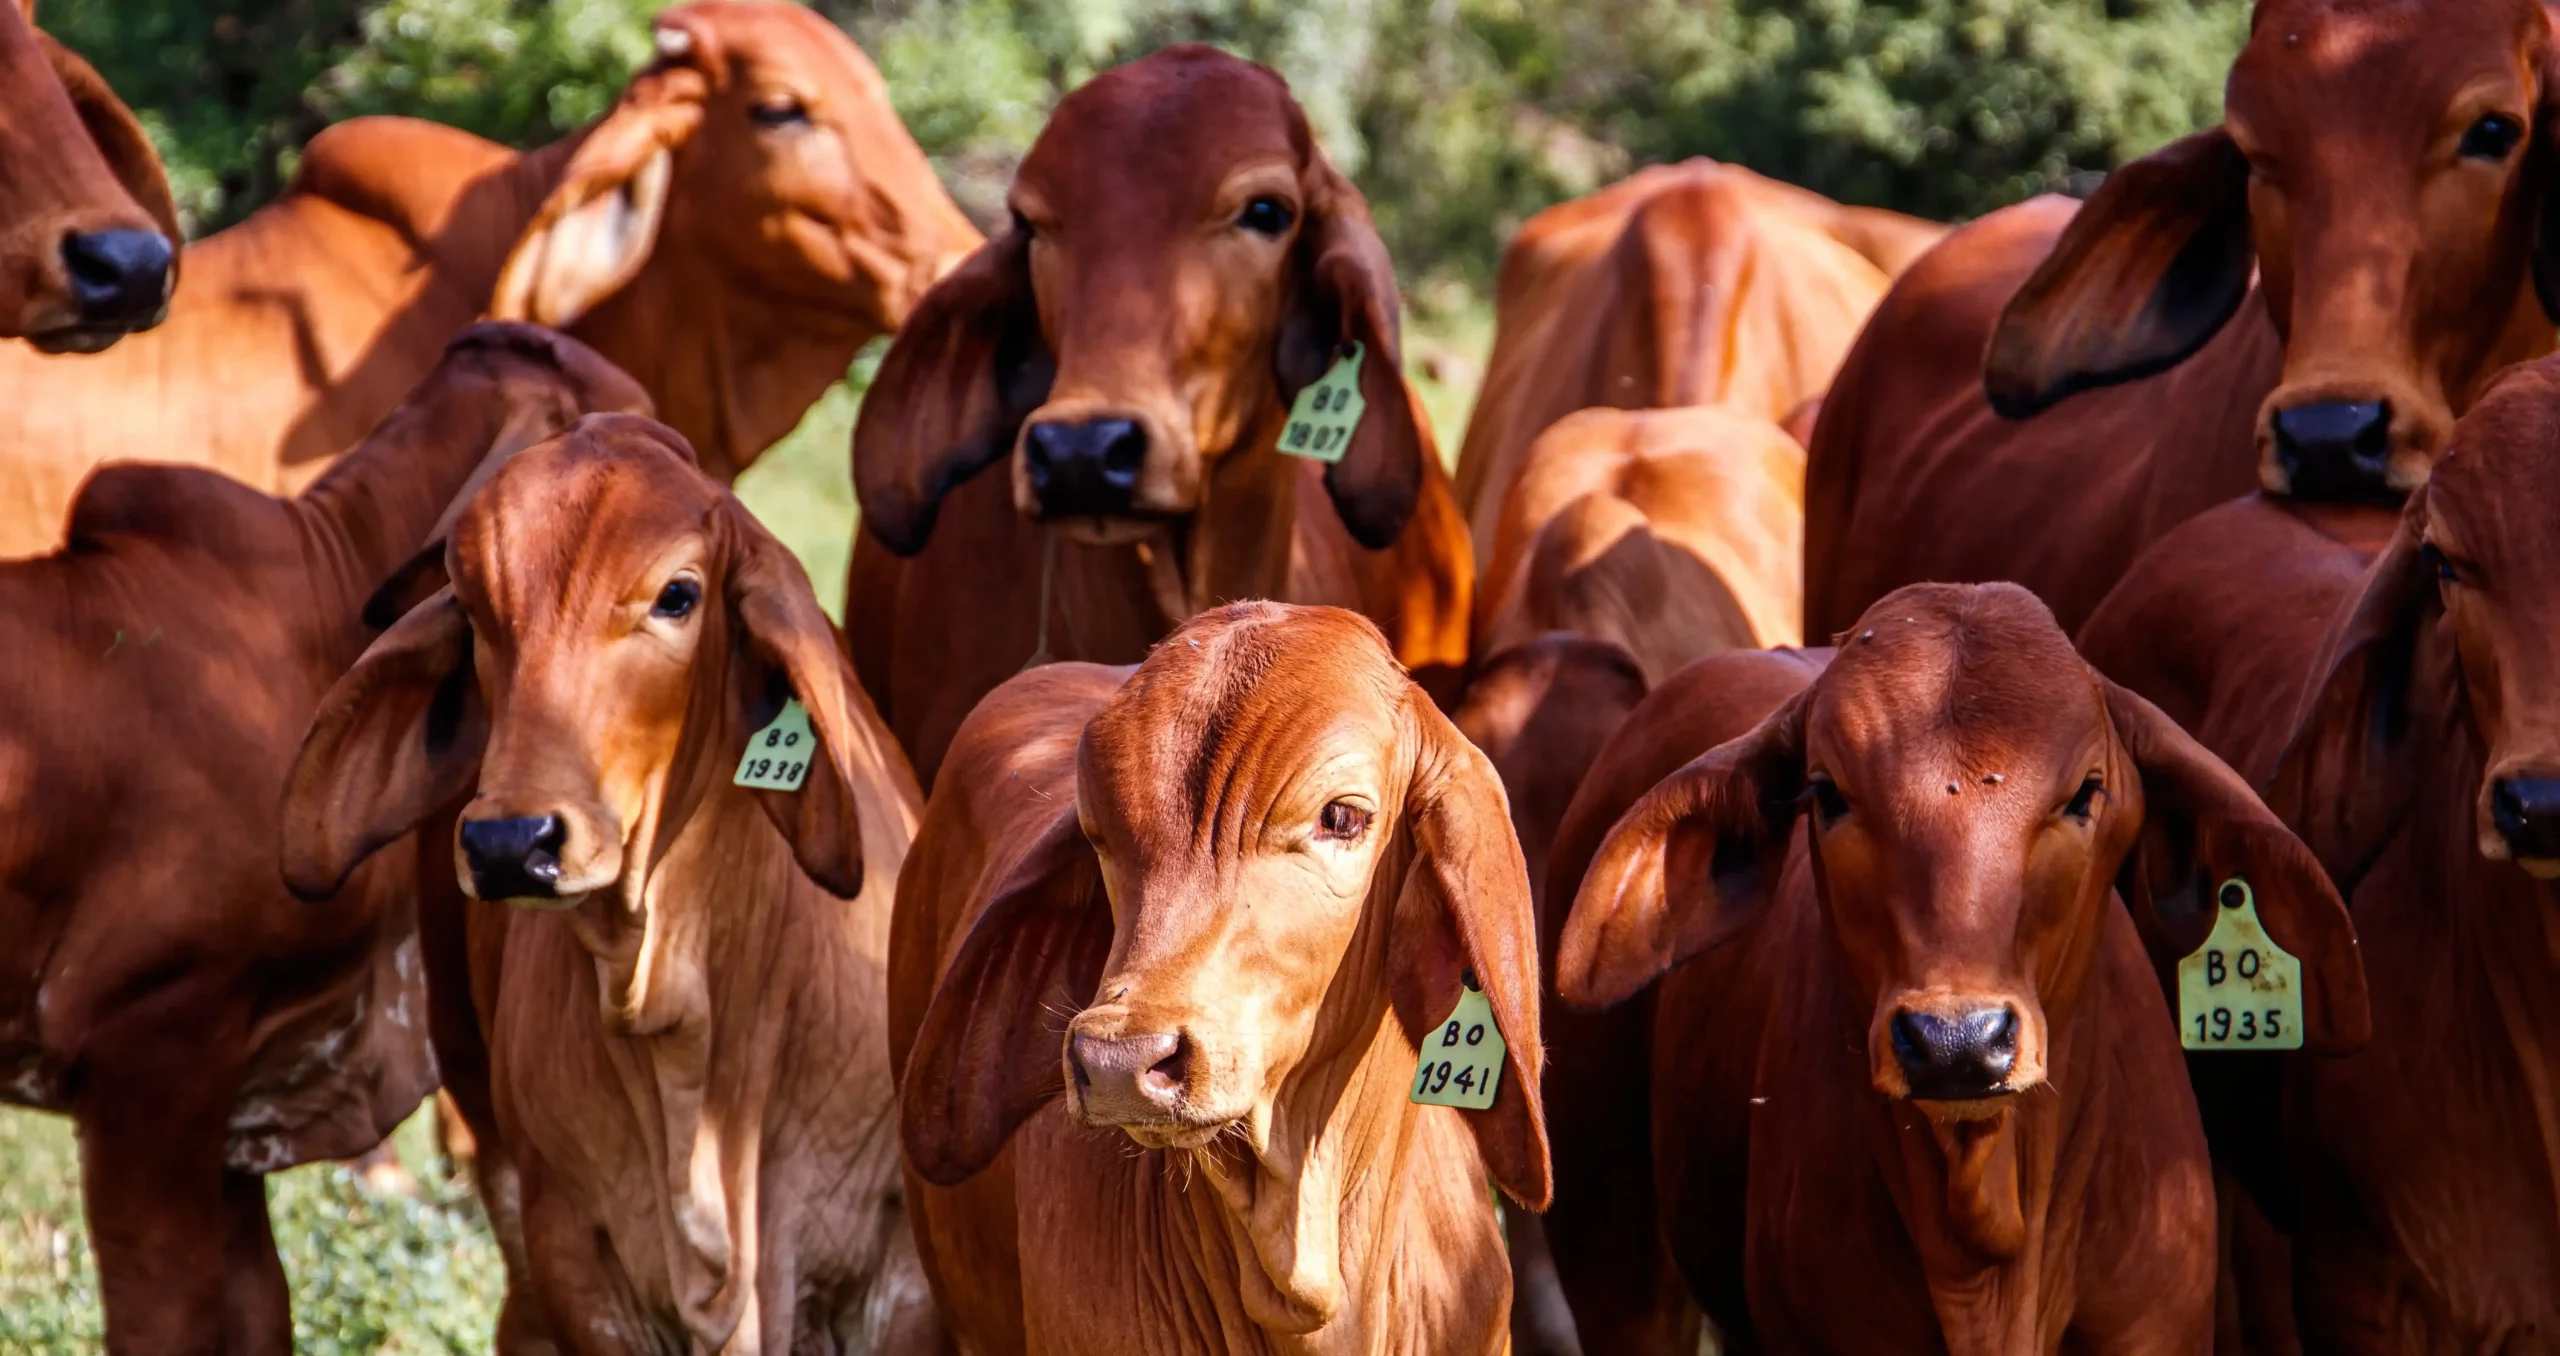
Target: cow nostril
{"type": "Point", "coordinates": [1915, 1038]}
{"type": "Point", "coordinates": [117, 276]}
{"type": "Point", "coordinates": [2526, 812]}
{"type": "Point", "coordinates": [1166, 1077]}
{"type": "Point", "coordinates": [2335, 449]}
{"type": "Point", "coordinates": [1123, 452]}
{"type": "Point", "coordinates": [515, 856]}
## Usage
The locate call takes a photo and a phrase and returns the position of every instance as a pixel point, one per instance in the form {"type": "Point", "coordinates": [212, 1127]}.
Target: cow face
{"type": "Point", "coordinates": [87, 228]}
{"type": "Point", "coordinates": [1182, 262]}
{"type": "Point", "coordinates": [2385, 169]}
{"type": "Point", "coordinates": [1292, 841]}
{"type": "Point", "coordinates": [1972, 791]}
{"type": "Point", "coordinates": [2449, 631]}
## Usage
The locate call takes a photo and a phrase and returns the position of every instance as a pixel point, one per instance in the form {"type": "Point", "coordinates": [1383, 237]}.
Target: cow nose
{"type": "Point", "coordinates": [2526, 811]}
{"type": "Point", "coordinates": [1087, 469]}
{"type": "Point", "coordinates": [119, 278]}
{"type": "Point", "coordinates": [514, 858]}
{"type": "Point", "coordinates": [1126, 1079]}
{"type": "Point", "coordinates": [2335, 449]}
{"type": "Point", "coordinates": [1954, 1059]}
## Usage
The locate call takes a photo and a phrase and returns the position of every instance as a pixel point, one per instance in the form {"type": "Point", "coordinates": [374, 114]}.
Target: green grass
{"type": "Point", "coordinates": [395, 1274]}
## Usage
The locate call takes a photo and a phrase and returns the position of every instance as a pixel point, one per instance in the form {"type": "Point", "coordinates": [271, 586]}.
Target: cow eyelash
{"type": "Point", "coordinates": [1827, 800]}
{"type": "Point", "coordinates": [1341, 821]}
{"type": "Point", "coordinates": [2084, 802]}
{"type": "Point", "coordinates": [782, 112]}
{"type": "Point", "coordinates": [2493, 137]}
{"type": "Point", "coordinates": [676, 601]}
{"type": "Point", "coordinates": [2439, 562]}
{"type": "Point", "coordinates": [1266, 215]}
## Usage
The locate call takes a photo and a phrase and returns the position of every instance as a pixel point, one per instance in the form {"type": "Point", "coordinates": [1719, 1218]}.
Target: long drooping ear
{"type": "Point", "coordinates": [990, 1051]}
{"type": "Point", "coordinates": [1718, 827]}
{"type": "Point", "coordinates": [1347, 294]}
{"type": "Point", "coordinates": [2145, 275]}
{"type": "Point", "coordinates": [2545, 167]}
{"type": "Point", "coordinates": [786, 648]}
{"type": "Point", "coordinates": [396, 738]}
{"type": "Point", "coordinates": [1464, 909]}
{"type": "Point", "coordinates": [120, 141]}
{"type": "Point", "coordinates": [593, 235]}
{"type": "Point", "coordinates": [2374, 710]}
{"type": "Point", "coordinates": [953, 390]}
{"type": "Point", "coordinates": [2204, 826]}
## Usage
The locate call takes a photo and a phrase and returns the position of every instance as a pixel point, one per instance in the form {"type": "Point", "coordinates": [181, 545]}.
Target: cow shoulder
{"type": "Point", "coordinates": [174, 506]}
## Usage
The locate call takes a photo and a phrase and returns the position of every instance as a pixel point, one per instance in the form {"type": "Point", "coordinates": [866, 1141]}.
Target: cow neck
{"type": "Point", "coordinates": [730, 365]}
{"type": "Point", "coordinates": [1239, 542]}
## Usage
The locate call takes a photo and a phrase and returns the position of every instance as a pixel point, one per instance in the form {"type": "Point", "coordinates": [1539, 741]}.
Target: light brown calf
{"type": "Point", "coordinates": [680, 981]}
{"type": "Point", "coordinates": [1182, 929]}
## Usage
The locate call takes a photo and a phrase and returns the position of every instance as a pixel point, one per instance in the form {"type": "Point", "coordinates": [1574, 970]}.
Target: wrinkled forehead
{"type": "Point", "coordinates": [1954, 681]}
{"type": "Point", "coordinates": [2312, 68]}
{"type": "Point", "coordinates": [574, 521]}
{"type": "Point", "coordinates": [1240, 715]}
{"type": "Point", "coordinates": [1161, 136]}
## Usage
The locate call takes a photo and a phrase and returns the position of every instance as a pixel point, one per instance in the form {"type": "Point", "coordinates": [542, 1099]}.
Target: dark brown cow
{"type": "Point", "coordinates": [680, 980]}
{"type": "Point", "coordinates": [746, 217]}
{"type": "Point", "coordinates": [1688, 284]}
{"type": "Point", "coordinates": [2381, 172]}
{"type": "Point", "coordinates": [1183, 261]}
{"type": "Point", "coordinates": [87, 228]}
{"type": "Point", "coordinates": [2403, 715]}
{"type": "Point", "coordinates": [1914, 1085]}
{"type": "Point", "coordinates": [1181, 930]}
{"type": "Point", "coordinates": [201, 1025]}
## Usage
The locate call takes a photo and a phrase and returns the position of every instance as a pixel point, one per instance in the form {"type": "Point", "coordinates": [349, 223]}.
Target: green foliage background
{"type": "Point", "coordinates": [1458, 117]}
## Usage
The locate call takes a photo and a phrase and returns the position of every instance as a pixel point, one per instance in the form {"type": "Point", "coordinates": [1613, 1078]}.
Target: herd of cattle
{"type": "Point", "coordinates": [1355, 909]}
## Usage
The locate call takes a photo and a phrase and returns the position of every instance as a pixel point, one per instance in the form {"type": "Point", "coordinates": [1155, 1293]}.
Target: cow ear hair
{"type": "Point", "coordinates": [1464, 910]}
{"type": "Point", "coordinates": [596, 230]}
{"type": "Point", "coordinates": [2148, 271]}
{"type": "Point", "coordinates": [951, 393]}
{"type": "Point", "coordinates": [397, 738]}
{"type": "Point", "coordinates": [1720, 827]}
{"type": "Point", "coordinates": [990, 1050]}
{"type": "Point", "coordinates": [1346, 295]}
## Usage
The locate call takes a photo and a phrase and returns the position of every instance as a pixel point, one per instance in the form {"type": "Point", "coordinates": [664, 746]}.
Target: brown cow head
{"type": "Point", "coordinates": [1973, 790]}
{"type": "Point", "coordinates": [87, 227]}
{"type": "Point", "coordinates": [1293, 842]}
{"type": "Point", "coordinates": [2447, 631]}
{"type": "Point", "coordinates": [1182, 262]}
{"type": "Point", "coordinates": [2389, 170]}
{"type": "Point", "coordinates": [616, 629]}
{"type": "Point", "coordinates": [759, 164]}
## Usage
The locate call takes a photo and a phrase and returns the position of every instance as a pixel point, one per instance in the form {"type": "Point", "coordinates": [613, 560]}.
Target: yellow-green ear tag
{"type": "Point", "coordinates": [778, 755]}
{"type": "Point", "coordinates": [2239, 991]}
{"type": "Point", "coordinates": [1327, 413]}
{"type": "Point", "coordinates": [1462, 1058]}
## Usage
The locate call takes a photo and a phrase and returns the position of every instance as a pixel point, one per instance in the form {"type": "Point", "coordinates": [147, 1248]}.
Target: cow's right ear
{"type": "Point", "coordinates": [396, 738]}
{"type": "Point", "coordinates": [120, 140]}
{"type": "Point", "coordinates": [968, 367]}
{"type": "Point", "coordinates": [991, 1050]}
{"type": "Point", "coordinates": [1719, 828]}
{"type": "Point", "coordinates": [2148, 272]}
{"type": "Point", "coordinates": [2350, 774]}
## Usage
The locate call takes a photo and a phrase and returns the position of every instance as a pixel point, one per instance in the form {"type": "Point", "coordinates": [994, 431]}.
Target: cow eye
{"type": "Point", "coordinates": [1266, 216]}
{"type": "Point", "coordinates": [676, 600]}
{"type": "Point", "coordinates": [2492, 137]}
{"type": "Point", "coordinates": [784, 111]}
{"type": "Point", "coordinates": [1828, 801]}
{"type": "Point", "coordinates": [2439, 562]}
{"type": "Point", "coordinates": [1341, 821]}
{"type": "Point", "coordinates": [2085, 800]}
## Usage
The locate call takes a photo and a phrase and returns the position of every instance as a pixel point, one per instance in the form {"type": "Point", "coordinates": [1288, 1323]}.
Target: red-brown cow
{"type": "Point", "coordinates": [2403, 716]}
{"type": "Point", "coordinates": [1914, 1085]}
{"type": "Point", "coordinates": [87, 228]}
{"type": "Point", "coordinates": [1212, 906]}
{"type": "Point", "coordinates": [2381, 173]}
{"type": "Point", "coordinates": [200, 1025]}
{"type": "Point", "coordinates": [1183, 262]}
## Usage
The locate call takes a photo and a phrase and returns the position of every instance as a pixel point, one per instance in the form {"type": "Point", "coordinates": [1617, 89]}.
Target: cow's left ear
{"type": "Point", "coordinates": [2202, 825]}
{"type": "Point", "coordinates": [1464, 909]}
{"type": "Point", "coordinates": [593, 235]}
{"type": "Point", "coordinates": [2148, 271]}
{"type": "Point", "coordinates": [787, 648]}
{"type": "Point", "coordinates": [120, 140]}
{"type": "Point", "coordinates": [1347, 294]}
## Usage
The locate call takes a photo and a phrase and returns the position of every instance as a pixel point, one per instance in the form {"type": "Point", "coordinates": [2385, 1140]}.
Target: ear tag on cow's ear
{"type": "Point", "coordinates": [2239, 991]}
{"type": "Point", "coordinates": [1462, 1057]}
{"type": "Point", "coordinates": [1328, 412]}
{"type": "Point", "coordinates": [778, 755]}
